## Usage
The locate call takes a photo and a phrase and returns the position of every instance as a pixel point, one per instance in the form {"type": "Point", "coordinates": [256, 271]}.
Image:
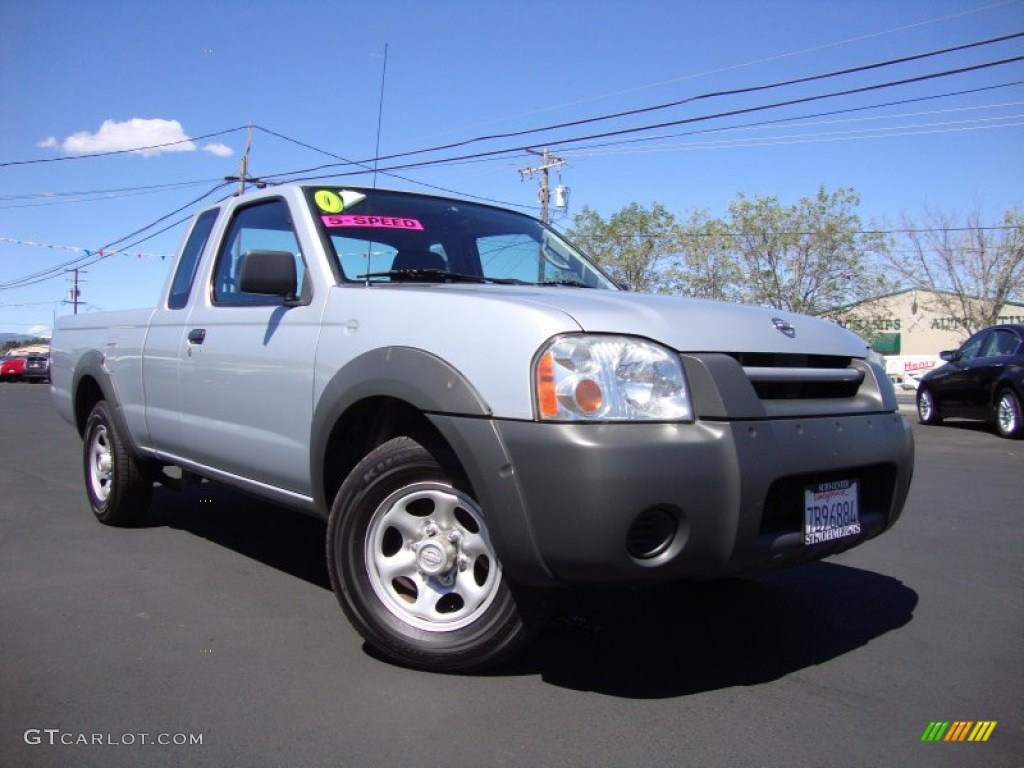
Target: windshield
{"type": "Point", "coordinates": [385, 236]}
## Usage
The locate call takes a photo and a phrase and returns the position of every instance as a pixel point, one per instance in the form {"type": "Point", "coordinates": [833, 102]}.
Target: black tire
{"type": "Point", "coordinates": [1009, 416]}
{"type": "Point", "coordinates": [412, 565]}
{"type": "Point", "coordinates": [927, 409]}
{"type": "Point", "coordinates": [118, 485]}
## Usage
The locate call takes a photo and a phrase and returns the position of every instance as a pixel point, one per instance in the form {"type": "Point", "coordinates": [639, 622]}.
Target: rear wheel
{"type": "Point", "coordinates": [927, 411]}
{"type": "Point", "coordinates": [118, 485]}
{"type": "Point", "coordinates": [413, 567]}
{"type": "Point", "coordinates": [1009, 420]}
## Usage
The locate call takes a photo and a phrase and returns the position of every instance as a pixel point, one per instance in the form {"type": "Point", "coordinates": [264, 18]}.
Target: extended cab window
{"type": "Point", "coordinates": [265, 226]}
{"type": "Point", "coordinates": [185, 273]}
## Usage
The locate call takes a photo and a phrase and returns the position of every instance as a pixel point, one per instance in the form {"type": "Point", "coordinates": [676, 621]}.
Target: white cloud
{"type": "Point", "coordinates": [218, 149]}
{"type": "Point", "coordinates": [131, 135]}
{"type": "Point", "coordinates": [42, 331]}
{"type": "Point", "coordinates": [48, 143]}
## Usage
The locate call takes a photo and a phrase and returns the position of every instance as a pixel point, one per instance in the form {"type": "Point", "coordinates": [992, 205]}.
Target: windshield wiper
{"type": "Point", "coordinates": [572, 283]}
{"type": "Point", "coordinates": [439, 276]}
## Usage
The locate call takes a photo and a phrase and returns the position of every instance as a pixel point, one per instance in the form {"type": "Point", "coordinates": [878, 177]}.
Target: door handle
{"type": "Point", "coordinates": [197, 336]}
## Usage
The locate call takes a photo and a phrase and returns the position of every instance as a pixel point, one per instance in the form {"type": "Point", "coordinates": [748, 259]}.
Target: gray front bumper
{"type": "Point", "coordinates": [561, 498]}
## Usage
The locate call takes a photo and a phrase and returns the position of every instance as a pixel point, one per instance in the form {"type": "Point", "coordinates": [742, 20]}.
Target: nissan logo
{"type": "Point", "coordinates": [431, 557]}
{"type": "Point", "coordinates": [784, 326]}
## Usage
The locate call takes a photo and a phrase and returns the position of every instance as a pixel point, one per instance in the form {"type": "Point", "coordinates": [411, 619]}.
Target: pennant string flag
{"type": "Point", "coordinates": [78, 249]}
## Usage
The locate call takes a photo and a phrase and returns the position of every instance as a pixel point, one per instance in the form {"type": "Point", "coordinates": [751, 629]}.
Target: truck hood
{"type": "Point", "coordinates": [686, 325]}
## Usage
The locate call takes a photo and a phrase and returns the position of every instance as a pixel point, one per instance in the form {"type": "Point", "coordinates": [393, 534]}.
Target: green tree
{"type": "Point", "coordinates": [812, 257]}
{"type": "Point", "coordinates": [634, 245]}
{"type": "Point", "coordinates": [705, 265]}
{"type": "Point", "coordinates": [32, 342]}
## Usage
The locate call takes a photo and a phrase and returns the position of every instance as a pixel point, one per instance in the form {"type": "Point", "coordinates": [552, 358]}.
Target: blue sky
{"type": "Point", "coordinates": [457, 70]}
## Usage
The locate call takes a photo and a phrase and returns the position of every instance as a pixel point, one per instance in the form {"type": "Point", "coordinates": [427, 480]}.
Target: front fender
{"type": "Point", "coordinates": [410, 375]}
{"type": "Point", "coordinates": [462, 417]}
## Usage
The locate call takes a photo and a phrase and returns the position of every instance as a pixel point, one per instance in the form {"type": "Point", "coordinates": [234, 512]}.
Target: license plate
{"type": "Point", "coordinates": [831, 511]}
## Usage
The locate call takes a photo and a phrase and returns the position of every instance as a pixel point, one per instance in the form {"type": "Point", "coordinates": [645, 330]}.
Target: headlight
{"type": "Point", "coordinates": [609, 378]}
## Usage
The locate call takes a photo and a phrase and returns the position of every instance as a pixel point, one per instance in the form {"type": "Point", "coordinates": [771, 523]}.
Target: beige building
{"type": "Point", "coordinates": [914, 322]}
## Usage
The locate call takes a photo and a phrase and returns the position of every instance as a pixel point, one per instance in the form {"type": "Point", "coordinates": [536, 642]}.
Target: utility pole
{"type": "Point", "coordinates": [74, 294]}
{"type": "Point", "coordinates": [548, 161]}
{"type": "Point", "coordinates": [243, 174]}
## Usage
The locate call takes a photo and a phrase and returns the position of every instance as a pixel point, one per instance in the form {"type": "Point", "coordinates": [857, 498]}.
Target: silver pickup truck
{"type": "Point", "coordinates": [478, 412]}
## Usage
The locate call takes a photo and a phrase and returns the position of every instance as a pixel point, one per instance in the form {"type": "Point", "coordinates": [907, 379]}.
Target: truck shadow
{"type": "Point", "coordinates": [647, 642]}
{"type": "Point", "coordinates": [283, 539]}
{"type": "Point", "coordinates": [680, 639]}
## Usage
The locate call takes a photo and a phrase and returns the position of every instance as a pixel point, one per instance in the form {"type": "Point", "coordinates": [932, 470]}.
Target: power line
{"type": "Point", "coordinates": [792, 102]}
{"type": "Point", "coordinates": [160, 231]}
{"type": "Point", "coordinates": [369, 168]}
{"type": "Point", "coordinates": [90, 257]}
{"type": "Point", "coordinates": [118, 151]}
{"type": "Point", "coordinates": [47, 201]}
{"type": "Point", "coordinates": [829, 113]}
{"type": "Point", "coordinates": [710, 95]}
{"type": "Point", "coordinates": [115, 190]}
{"type": "Point", "coordinates": [923, 129]}
{"type": "Point", "coordinates": [655, 126]}
{"type": "Point", "coordinates": [46, 274]}
{"type": "Point", "coordinates": [791, 233]}
{"type": "Point", "coordinates": [750, 89]}
{"type": "Point", "coordinates": [743, 65]}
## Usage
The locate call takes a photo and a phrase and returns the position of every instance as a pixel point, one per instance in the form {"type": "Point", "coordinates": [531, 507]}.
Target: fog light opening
{"type": "Point", "coordinates": [651, 533]}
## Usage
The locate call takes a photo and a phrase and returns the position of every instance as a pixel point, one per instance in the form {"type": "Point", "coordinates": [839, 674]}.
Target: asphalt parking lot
{"type": "Point", "coordinates": [214, 623]}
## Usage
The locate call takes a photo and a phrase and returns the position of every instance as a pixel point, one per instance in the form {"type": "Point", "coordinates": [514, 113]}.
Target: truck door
{"type": "Point", "coordinates": [165, 339]}
{"type": "Point", "coordinates": [246, 380]}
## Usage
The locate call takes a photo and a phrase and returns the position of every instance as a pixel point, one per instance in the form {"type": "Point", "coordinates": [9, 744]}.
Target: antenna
{"type": "Point", "coordinates": [376, 157]}
{"type": "Point", "coordinates": [380, 115]}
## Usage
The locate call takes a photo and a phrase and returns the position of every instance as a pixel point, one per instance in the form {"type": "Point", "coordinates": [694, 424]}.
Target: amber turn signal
{"type": "Point", "coordinates": [547, 401]}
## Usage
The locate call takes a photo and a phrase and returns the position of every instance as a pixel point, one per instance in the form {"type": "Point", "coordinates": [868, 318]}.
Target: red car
{"type": "Point", "coordinates": [12, 367]}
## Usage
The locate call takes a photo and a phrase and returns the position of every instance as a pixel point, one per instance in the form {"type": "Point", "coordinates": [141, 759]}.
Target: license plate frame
{"type": "Point", "coordinates": [831, 511]}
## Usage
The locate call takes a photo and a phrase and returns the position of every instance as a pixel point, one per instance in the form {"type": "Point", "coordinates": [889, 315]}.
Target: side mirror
{"type": "Point", "coordinates": [950, 355]}
{"type": "Point", "coordinates": [270, 273]}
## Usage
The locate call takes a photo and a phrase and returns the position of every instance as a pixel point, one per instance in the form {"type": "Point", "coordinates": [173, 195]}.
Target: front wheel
{"type": "Point", "coordinates": [927, 410]}
{"type": "Point", "coordinates": [413, 567]}
{"type": "Point", "coordinates": [1009, 421]}
{"type": "Point", "coordinates": [118, 485]}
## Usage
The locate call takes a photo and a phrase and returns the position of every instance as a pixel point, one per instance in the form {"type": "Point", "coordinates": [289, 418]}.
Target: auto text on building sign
{"type": "Point", "coordinates": [55, 736]}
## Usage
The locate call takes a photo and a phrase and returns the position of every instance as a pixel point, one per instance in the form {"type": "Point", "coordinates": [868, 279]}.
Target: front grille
{"type": "Point", "coordinates": [800, 377]}
{"type": "Point", "coordinates": [788, 360]}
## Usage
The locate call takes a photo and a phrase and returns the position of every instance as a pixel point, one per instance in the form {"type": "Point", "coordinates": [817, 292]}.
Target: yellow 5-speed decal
{"type": "Point", "coordinates": [328, 202]}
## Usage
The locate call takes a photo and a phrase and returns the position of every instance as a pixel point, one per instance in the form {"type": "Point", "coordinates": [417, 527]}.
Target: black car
{"type": "Point", "coordinates": [37, 368]}
{"type": "Point", "coordinates": [984, 379]}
